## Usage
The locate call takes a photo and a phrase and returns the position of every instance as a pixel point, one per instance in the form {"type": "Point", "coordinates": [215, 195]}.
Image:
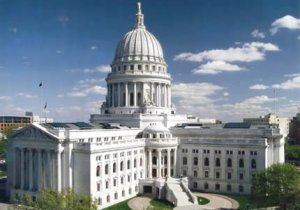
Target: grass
{"type": "Point", "coordinates": [2, 173]}
{"type": "Point", "coordinates": [119, 206]}
{"type": "Point", "coordinates": [247, 203]}
{"type": "Point", "coordinates": [161, 204]}
{"type": "Point", "coordinates": [156, 205]}
{"type": "Point", "coordinates": [202, 201]}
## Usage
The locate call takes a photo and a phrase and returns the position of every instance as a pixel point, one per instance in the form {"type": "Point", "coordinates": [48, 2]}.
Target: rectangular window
{"type": "Point", "coordinates": [124, 68]}
{"type": "Point", "coordinates": [229, 175]}
{"type": "Point", "coordinates": [98, 186]}
{"type": "Point", "coordinates": [195, 173]}
{"type": "Point", "coordinates": [217, 175]}
{"type": "Point", "coordinates": [131, 67]}
{"type": "Point", "coordinates": [139, 67]}
{"type": "Point", "coordinates": [206, 174]}
{"type": "Point", "coordinates": [184, 173]}
{"type": "Point", "coordinates": [241, 176]}
{"type": "Point", "coordinates": [115, 182]}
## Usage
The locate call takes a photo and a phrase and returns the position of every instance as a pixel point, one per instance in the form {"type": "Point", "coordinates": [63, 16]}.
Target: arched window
{"type": "Point", "coordinates": [229, 162]}
{"type": "Point", "coordinates": [131, 99]}
{"type": "Point", "coordinates": [218, 162]}
{"type": "Point", "coordinates": [98, 171]}
{"type": "Point", "coordinates": [116, 195]}
{"type": "Point", "coordinates": [139, 99]}
{"type": "Point", "coordinates": [128, 164]}
{"type": "Point", "coordinates": [106, 168]}
{"type": "Point", "coordinates": [206, 162]}
{"type": "Point", "coordinates": [184, 160]}
{"type": "Point", "coordinates": [114, 167]}
{"type": "Point", "coordinates": [121, 165]}
{"type": "Point", "coordinates": [154, 160]}
{"type": "Point", "coordinates": [134, 163]}
{"type": "Point", "coordinates": [241, 163]}
{"type": "Point", "coordinates": [195, 161]}
{"type": "Point", "coordinates": [253, 163]}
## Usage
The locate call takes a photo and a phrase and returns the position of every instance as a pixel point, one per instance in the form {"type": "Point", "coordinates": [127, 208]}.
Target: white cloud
{"type": "Point", "coordinates": [290, 84]}
{"type": "Point", "coordinates": [91, 90]}
{"type": "Point", "coordinates": [258, 87]}
{"type": "Point", "coordinates": [101, 68]}
{"type": "Point", "coordinates": [216, 67]}
{"type": "Point", "coordinates": [63, 19]}
{"type": "Point", "coordinates": [259, 100]}
{"type": "Point", "coordinates": [288, 22]}
{"type": "Point", "coordinates": [13, 29]}
{"type": "Point", "coordinates": [60, 95]}
{"type": "Point", "coordinates": [5, 98]}
{"type": "Point", "coordinates": [58, 52]}
{"type": "Point", "coordinates": [26, 95]}
{"type": "Point", "coordinates": [248, 52]}
{"type": "Point", "coordinates": [226, 94]}
{"type": "Point", "coordinates": [91, 81]}
{"type": "Point", "coordinates": [93, 47]}
{"type": "Point", "coordinates": [292, 75]}
{"type": "Point", "coordinates": [257, 34]}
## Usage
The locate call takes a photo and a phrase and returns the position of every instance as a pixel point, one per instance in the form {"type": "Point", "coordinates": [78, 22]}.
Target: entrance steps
{"type": "Point", "coordinates": [178, 193]}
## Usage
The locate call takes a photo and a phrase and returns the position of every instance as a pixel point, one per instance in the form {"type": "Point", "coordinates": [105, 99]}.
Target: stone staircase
{"type": "Point", "coordinates": [179, 194]}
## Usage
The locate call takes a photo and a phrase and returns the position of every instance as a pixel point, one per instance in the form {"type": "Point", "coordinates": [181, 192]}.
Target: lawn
{"type": "Point", "coordinates": [2, 173]}
{"type": "Point", "coordinates": [202, 201]}
{"type": "Point", "coordinates": [161, 204]}
{"type": "Point", "coordinates": [119, 206]}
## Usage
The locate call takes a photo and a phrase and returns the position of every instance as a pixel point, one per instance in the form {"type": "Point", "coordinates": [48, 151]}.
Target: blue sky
{"type": "Point", "coordinates": [229, 59]}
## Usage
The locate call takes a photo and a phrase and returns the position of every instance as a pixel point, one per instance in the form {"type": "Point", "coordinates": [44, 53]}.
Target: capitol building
{"type": "Point", "coordinates": [137, 144]}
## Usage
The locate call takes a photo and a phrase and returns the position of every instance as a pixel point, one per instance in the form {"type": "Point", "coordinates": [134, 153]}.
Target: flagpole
{"type": "Point", "coordinates": [41, 97]}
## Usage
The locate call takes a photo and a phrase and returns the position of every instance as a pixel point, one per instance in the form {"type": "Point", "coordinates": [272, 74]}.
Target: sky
{"type": "Point", "coordinates": [228, 59]}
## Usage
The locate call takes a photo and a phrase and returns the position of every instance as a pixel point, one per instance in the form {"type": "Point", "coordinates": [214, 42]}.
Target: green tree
{"type": "Point", "coordinates": [48, 199]}
{"type": "Point", "coordinates": [3, 149]}
{"type": "Point", "coordinates": [278, 185]}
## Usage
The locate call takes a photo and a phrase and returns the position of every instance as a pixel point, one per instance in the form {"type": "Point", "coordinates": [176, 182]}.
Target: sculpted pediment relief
{"type": "Point", "coordinates": [33, 134]}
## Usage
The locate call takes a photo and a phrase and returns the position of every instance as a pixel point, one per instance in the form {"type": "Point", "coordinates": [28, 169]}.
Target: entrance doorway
{"type": "Point", "coordinates": [147, 189]}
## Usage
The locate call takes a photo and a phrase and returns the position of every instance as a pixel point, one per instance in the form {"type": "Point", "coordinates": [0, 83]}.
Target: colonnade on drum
{"type": "Point", "coordinates": [161, 162]}
{"type": "Point", "coordinates": [125, 94]}
{"type": "Point", "coordinates": [36, 169]}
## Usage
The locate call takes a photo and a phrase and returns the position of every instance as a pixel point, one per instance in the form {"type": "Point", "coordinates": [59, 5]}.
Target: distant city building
{"type": "Point", "coordinates": [294, 135]}
{"type": "Point", "coordinates": [137, 144]}
{"type": "Point", "coordinates": [11, 122]}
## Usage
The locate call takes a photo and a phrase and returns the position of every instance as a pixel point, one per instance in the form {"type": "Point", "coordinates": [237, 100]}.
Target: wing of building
{"type": "Point", "coordinates": [137, 144]}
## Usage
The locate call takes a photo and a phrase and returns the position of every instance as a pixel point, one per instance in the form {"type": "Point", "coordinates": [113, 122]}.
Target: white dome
{"type": "Point", "coordinates": [156, 128]}
{"type": "Point", "coordinates": [139, 43]}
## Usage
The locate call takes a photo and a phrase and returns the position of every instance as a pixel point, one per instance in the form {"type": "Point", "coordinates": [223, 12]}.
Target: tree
{"type": "Point", "coordinates": [278, 185]}
{"type": "Point", "coordinates": [48, 199]}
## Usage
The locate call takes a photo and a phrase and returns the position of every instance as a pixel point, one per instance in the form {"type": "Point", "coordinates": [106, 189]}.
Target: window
{"type": "Point", "coordinates": [253, 163]}
{"type": "Point", "coordinates": [134, 176]}
{"type": "Point", "coordinates": [131, 67]}
{"type": "Point", "coordinates": [195, 185]}
{"type": "Point", "coordinates": [128, 178]}
{"type": "Point", "coordinates": [217, 175]}
{"type": "Point", "coordinates": [184, 173]}
{"type": "Point", "coordinates": [139, 67]}
{"type": "Point", "coordinates": [206, 174]}
{"type": "Point", "coordinates": [121, 165]}
{"type": "Point", "coordinates": [241, 188]}
{"type": "Point", "coordinates": [119, 68]}
{"type": "Point", "coordinates": [241, 176]}
{"type": "Point", "coordinates": [131, 99]}
{"type": "Point", "coordinates": [195, 173]}
{"type": "Point", "coordinates": [154, 160]}
{"type": "Point", "coordinates": [114, 167]}
{"type": "Point", "coordinates": [229, 188]}
{"type": "Point", "coordinates": [124, 68]}
{"type": "Point", "coordinates": [129, 190]}
{"type": "Point", "coordinates": [217, 186]}
{"type": "Point", "coordinates": [123, 193]}
{"type": "Point", "coordinates": [106, 184]}
{"type": "Point", "coordinates": [128, 164]}
{"type": "Point", "coordinates": [134, 163]}
{"type": "Point", "coordinates": [115, 182]}
{"type": "Point", "coordinates": [122, 180]}
{"type": "Point", "coordinates": [98, 186]}
{"type": "Point", "coordinates": [195, 161]}
{"type": "Point", "coordinates": [206, 162]}
{"type": "Point", "coordinates": [106, 168]}
{"type": "Point", "coordinates": [99, 201]}
{"type": "Point", "coordinates": [98, 171]}
{"type": "Point", "coordinates": [141, 161]}
{"type": "Point", "coordinates": [153, 68]}
{"type": "Point", "coordinates": [218, 162]}
{"type": "Point", "coordinates": [229, 162]}
{"type": "Point", "coordinates": [206, 186]}
{"type": "Point", "coordinates": [184, 160]}
{"type": "Point", "coordinates": [116, 195]}
{"type": "Point", "coordinates": [108, 199]}
{"type": "Point", "coordinates": [147, 67]}
{"type": "Point", "coordinates": [228, 175]}
{"type": "Point", "coordinates": [241, 163]}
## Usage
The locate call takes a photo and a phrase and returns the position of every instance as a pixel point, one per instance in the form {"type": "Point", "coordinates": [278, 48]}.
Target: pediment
{"type": "Point", "coordinates": [32, 133]}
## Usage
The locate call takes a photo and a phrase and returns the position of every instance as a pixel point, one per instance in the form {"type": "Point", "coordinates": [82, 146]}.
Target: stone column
{"type": "Point", "coordinates": [157, 95]}
{"type": "Point", "coordinates": [150, 163]}
{"type": "Point", "coordinates": [168, 163]}
{"type": "Point", "coordinates": [126, 94]}
{"type": "Point", "coordinates": [169, 96]}
{"type": "Point", "coordinates": [134, 94]}
{"type": "Point", "coordinates": [119, 94]}
{"type": "Point", "coordinates": [165, 95]}
{"type": "Point", "coordinates": [30, 169]}
{"type": "Point", "coordinates": [159, 164]}
{"type": "Point", "coordinates": [151, 92]}
{"type": "Point", "coordinates": [58, 153]}
{"type": "Point", "coordinates": [113, 95]}
{"type": "Point", "coordinates": [174, 163]}
{"type": "Point", "coordinates": [22, 150]}
{"type": "Point", "coordinates": [39, 168]}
